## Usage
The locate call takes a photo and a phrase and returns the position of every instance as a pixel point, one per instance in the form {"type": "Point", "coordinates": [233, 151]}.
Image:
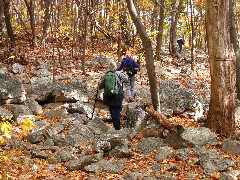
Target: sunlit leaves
{"type": "Point", "coordinates": [199, 3]}
{"type": "Point", "coordinates": [1, 139]}
{"type": "Point", "coordinates": [27, 124]}
{"type": "Point", "coordinates": [152, 34]}
{"type": "Point", "coordinates": [12, 57]}
{"type": "Point", "coordinates": [5, 158]}
{"type": "Point", "coordinates": [5, 128]}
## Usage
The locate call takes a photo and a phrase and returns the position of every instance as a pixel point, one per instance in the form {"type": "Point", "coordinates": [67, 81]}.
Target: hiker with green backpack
{"type": "Point", "coordinates": [131, 67]}
{"type": "Point", "coordinates": [113, 92]}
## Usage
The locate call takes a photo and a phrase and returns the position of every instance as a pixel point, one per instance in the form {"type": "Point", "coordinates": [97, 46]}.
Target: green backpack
{"type": "Point", "coordinates": [111, 86]}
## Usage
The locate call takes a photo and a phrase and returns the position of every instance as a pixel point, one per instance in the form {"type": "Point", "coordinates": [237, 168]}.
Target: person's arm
{"type": "Point", "coordinates": [121, 65]}
{"type": "Point", "coordinates": [136, 65]}
{"type": "Point", "coordinates": [123, 78]}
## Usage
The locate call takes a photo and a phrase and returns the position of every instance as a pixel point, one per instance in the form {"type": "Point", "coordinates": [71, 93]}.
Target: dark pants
{"type": "Point", "coordinates": [115, 114]}
{"type": "Point", "coordinates": [180, 47]}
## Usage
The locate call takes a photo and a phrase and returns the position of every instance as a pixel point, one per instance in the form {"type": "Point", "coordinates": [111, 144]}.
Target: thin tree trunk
{"type": "Point", "coordinates": [31, 8]}
{"type": "Point", "coordinates": [160, 30]}
{"type": "Point", "coordinates": [173, 28]}
{"type": "Point", "coordinates": [154, 17]}
{"type": "Point", "coordinates": [85, 37]}
{"type": "Point", "coordinates": [46, 22]}
{"type": "Point", "coordinates": [1, 19]}
{"type": "Point", "coordinates": [22, 22]}
{"type": "Point", "coordinates": [125, 32]}
{"type": "Point", "coordinates": [8, 21]}
{"type": "Point", "coordinates": [222, 69]}
{"type": "Point", "coordinates": [147, 46]}
{"type": "Point", "coordinates": [119, 50]}
{"type": "Point", "coordinates": [192, 36]}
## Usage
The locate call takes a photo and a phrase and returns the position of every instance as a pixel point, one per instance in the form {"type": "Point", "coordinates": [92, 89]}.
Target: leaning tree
{"type": "Point", "coordinates": [147, 46]}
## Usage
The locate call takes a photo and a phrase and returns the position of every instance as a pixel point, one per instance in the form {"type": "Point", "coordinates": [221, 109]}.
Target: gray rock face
{"type": "Point", "coordinates": [57, 92]}
{"type": "Point", "coordinates": [231, 146]}
{"type": "Point", "coordinates": [80, 107]}
{"type": "Point", "coordinates": [19, 110]}
{"type": "Point", "coordinates": [18, 68]}
{"type": "Point", "coordinates": [150, 144]}
{"type": "Point", "coordinates": [136, 119]}
{"type": "Point", "coordinates": [164, 153]}
{"type": "Point", "coordinates": [237, 115]}
{"type": "Point", "coordinates": [5, 112]}
{"type": "Point", "coordinates": [43, 76]}
{"type": "Point", "coordinates": [83, 161]}
{"type": "Point", "coordinates": [121, 152]}
{"type": "Point", "coordinates": [11, 90]}
{"type": "Point", "coordinates": [230, 175]}
{"type": "Point", "coordinates": [34, 106]}
{"type": "Point", "coordinates": [106, 166]}
{"type": "Point", "coordinates": [191, 137]}
{"type": "Point", "coordinates": [182, 154]}
{"type": "Point", "coordinates": [213, 161]}
{"type": "Point", "coordinates": [199, 136]}
{"type": "Point", "coordinates": [179, 101]}
{"type": "Point", "coordinates": [135, 116]}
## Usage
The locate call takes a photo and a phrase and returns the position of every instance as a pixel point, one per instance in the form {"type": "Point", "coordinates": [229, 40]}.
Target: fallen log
{"type": "Point", "coordinates": [162, 119]}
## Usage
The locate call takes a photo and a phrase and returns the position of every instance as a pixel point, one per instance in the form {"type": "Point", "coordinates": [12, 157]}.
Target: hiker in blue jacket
{"type": "Point", "coordinates": [130, 67]}
{"type": "Point", "coordinates": [180, 42]}
{"type": "Point", "coordinates": [115, 102]}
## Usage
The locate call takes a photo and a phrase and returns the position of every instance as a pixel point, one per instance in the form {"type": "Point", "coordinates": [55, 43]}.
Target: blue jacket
{"type": "Point", "coordinates": [180, 41]}
{"type": "Point", "coordinates": [135, 64]}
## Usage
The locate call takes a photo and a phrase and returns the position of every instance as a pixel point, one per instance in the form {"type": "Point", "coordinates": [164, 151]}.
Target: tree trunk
{"type": "Point", "coordinates": [222, 69]}
{"type": "Point", "coordinates": [233, 36]}
{"type": "Point", "coordinates": [147, 46]}
{"type": "Point", "coordinates": [46, 20]}
{"type": "Point", "coordinates": [8, 22]}
{"type": "Point", "coordinates": [192, 36]}
{"type": "Point", "coordinates": [125, 31]}
{"type": "Point", "coordinates": [154, 17]}
{"type": "Point", "coordinates": [1, 19]}
{"type": "Point", "coordinates": [160, 30]}
{"type": "Point", "coordinates": [85, 37]}
{"type": "Point", "coordinates": [31, 7]}
{"type": "Point", "coordinates": [173, 28]}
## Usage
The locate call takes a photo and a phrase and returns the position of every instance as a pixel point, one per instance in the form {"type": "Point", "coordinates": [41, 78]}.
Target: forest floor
{"type": "Point", "coordinates": [10, 169]}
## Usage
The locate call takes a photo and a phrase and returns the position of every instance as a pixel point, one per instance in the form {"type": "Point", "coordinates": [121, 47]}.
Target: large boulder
{"type": "Point", "coordinates": [57, 92]}
{"type": "Point", "coordinates": [11, 90]}
{"type": "Point", "coordinates": [177, 101]}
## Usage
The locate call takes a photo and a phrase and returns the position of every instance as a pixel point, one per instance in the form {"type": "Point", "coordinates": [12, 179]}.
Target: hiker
{"type": "Point", "coordinates": [114, 101]}
{"type": "Point", "coordinates": [129, 66]}
{"type": "Point", "coordinates": [180, 42]}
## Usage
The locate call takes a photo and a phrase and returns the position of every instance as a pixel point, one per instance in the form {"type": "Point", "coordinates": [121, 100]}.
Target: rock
{"type": "Point", "coordinates": [231, 146]}
{"type": "Point", "coordinates": [150, 144]}
{"type": "Point", "coordinates": [11, 90]}
{"type": "Point", "coordinates": [164, 153]}
{"type": "Point", "coordinates": [106, 166]}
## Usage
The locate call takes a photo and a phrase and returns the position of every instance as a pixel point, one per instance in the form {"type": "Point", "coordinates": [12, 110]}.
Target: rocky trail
{"type": "Point", "coordinates": [68, 143]}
